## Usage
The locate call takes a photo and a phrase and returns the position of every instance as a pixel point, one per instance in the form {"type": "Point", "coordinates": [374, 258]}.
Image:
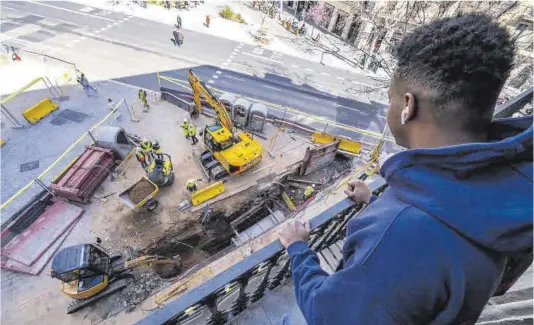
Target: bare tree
{"type": "Point", "coordinates": [318, 14]}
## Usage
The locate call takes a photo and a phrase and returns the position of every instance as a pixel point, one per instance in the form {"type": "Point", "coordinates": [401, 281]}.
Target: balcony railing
{"type": "Point", "coordinates": [232, 291]}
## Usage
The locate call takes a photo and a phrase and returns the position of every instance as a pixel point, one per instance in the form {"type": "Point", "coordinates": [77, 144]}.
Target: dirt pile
{"type": "Point", "coordinates": [140, 191]}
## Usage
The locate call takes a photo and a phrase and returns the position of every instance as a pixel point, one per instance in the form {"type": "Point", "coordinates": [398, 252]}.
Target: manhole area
{"type": "Point", "coordinates": [29, 166]}
{"type": "Point", "coordinates": [68, 115]}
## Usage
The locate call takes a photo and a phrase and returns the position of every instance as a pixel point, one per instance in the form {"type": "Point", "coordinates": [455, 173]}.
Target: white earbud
{"type": "Point", "coordinates": [404, 115]}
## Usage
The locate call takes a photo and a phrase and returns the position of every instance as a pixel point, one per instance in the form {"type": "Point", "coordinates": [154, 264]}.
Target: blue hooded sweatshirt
{"type": "Point", "coordinates": [432, 248]}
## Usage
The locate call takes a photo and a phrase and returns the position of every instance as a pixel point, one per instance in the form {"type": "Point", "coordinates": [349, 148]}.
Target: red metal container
{"type": "Point", "coordinates": [80, 181]}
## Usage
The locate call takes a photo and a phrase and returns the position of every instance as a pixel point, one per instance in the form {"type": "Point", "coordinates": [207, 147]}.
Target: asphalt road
{"type": "Point", "coordinates": [135, 49]}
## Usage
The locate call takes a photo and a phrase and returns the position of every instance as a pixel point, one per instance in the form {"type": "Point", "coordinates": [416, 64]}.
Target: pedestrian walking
{"type": "Point", "coordinates": [193, 133]}
{"type": "Point", "coordinates": [111, 104]}
{"type": "Point", "coordinates": [208, 21]}
{"type": "Point", "coordinates": [178, 21]}
{"type": "Point", "coordinates": [142, 96]}
{"type": "Point", "coordinates": [180, 38]}
{"type": "Point", "coordinates": [141, 157]}
{"type": "Point", "coordinates": [87, 88]}
{"type": "Point", "coordinates": [185, 128]}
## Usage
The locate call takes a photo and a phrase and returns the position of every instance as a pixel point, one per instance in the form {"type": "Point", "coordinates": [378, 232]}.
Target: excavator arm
{"type": "Point", "coordinates": [200, 89]}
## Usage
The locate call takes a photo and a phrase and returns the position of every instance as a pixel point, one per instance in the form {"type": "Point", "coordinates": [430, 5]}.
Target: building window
{"type": "Point", "coordinates": [329, 11]}
{"type": "Point", "coordinates": [354, 30]}
{"type": "Point", "coordinates": [340, 23]}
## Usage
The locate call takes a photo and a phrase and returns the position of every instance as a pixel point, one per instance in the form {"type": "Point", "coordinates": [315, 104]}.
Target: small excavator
{"type": "Point", "coordinates": [227, 152]}
{"type": "Point", "coordinates": [88, 272]}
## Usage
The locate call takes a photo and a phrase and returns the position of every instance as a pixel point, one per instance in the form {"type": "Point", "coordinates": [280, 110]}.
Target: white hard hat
{"type": "Point", "coordinates": [145, 140]}
{"type": "Point", "coordinates": [313, 185]}
{"type": "Point", "coordinates": [185, 120]}
{"type": "Point", "coordinates": [138, 149]}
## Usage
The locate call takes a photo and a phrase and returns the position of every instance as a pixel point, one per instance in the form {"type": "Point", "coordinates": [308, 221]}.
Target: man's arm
{"type": "Point", "coordinates": [308, 276]}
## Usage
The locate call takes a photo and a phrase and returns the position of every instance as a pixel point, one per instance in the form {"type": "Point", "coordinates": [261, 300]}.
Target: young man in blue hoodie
{"type": "Point", "coordinates": [435, 246]}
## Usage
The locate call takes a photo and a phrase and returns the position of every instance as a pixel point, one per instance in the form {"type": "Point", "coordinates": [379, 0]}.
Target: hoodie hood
{"type": "Point", "coordinates": [481, 190]}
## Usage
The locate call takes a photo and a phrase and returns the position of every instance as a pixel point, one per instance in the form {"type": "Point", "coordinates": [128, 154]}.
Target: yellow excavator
{"type": "Point", "coordinates": [227, 152]}
{"type": "Point", "coordinates": [88, 272]}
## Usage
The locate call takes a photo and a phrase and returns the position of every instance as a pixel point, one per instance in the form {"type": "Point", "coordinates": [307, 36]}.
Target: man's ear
{"type": "Point", "coordinates": [409, 103]}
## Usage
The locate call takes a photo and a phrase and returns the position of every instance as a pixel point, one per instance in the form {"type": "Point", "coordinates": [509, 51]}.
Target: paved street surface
{"type": "Point", "coordinates": [114, 45]}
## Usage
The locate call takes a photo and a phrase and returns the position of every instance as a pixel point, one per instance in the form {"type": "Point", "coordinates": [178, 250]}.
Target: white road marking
{"type": "Point", "coordinates": [294, 66]}
{"type": "Point", "coordinates": [308, 69]}
{"type": "Point", "coordinates": [325, 74]}
{"type": "Point", "coordinates": [228, 61]}
{"type": "Point", "coordinates": [340, 78]}
{"type": "Point", "coordinates": [76, 41]}
{"type": "Point", "coordinates": [115, 23]}
{"type": "Point", "coordinates": [96, 31]}
{"type": "Point", "coordinates": [69, 10]}
{"type": "Point", "coordinates": [218, 72]}
{"type": "Point", "coordinates": [354, 109]}
{"type": "Point", "coordinates": [312, 98]}
{"type": "Point", "coordinates": [109, 25]}
{"type": "Point", "coordinates": [23, 42]}
{"type": "Point", "coordinates": [262, 57]}
{"type": "Point", "coordinates": [360, 83]}
{"type": "Point", "coordinates": [103, 29]}
{"type": "Point", "coordinates": [225, 64]}
{"type": "Point", "coordinates": [86, 9]}
{"type": "Point", "coordinates": [257, 51]}
{"type": "Point", "coordinates": [231, 56]}
{"type": "Point", "coordinates": [272, 88]}
{"type": "Point", "coordinates": [235, 78]}
{"type": "Point", "coordinates": [211, 81]}
{"type": "Point", "coordinates": [215, 76]}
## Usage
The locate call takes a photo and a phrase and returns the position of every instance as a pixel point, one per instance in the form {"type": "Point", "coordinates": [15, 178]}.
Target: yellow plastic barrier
{"type": "Point", "coordinates": [207, 193]}
{"type": "Point", "coordinates": [2, 142]}
{"type": "Point", "coordinates": [345, 144]}
{"type": "Point", "coordinates": [35, 113]}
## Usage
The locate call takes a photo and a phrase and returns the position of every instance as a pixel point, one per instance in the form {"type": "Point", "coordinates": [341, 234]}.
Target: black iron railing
{"type": "Point", "coordinates": [230, 292]}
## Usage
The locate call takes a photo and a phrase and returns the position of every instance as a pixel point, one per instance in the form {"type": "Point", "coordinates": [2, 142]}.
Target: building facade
{"type": "Point", "coordinates": [374, 28]}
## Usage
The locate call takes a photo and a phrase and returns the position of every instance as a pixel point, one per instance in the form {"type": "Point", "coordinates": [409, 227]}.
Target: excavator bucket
{"type": "Point", "coordinates": [207, 193]}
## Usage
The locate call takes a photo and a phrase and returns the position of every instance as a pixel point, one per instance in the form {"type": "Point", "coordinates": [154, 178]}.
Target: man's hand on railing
{"type": "Point", "coordinates": [358, 191]}
{"type": "Point", "coordinates": [294, 231]}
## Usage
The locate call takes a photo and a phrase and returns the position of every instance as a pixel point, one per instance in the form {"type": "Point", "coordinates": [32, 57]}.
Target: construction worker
{"type": "Point", "coordinates": [193, 133]}
{"type": "Point", "coordinates": [156, 150]}
{"type": "Point", "coordinates": [146, 146]}
{"type": "Point", "coordinates": [141, 157]}
{"type": "Point", "coordinates": [309, 191]}
{"type": "Point", "coordinates": [185, 128]}
{"type": "Point", "coordinates": [191, 185]}
{"type": "Point", "coordinates": [142, 97]}
{"type": "Point", "coordinates": [178, 21]}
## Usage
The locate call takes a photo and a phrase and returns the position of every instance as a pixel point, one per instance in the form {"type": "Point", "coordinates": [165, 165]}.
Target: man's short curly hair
{"type": "Point", "coordinates": [461, 62]}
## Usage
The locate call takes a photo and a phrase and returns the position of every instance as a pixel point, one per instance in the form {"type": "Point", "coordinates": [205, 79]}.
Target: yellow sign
{"type": "Point", "coordinates": [207, 193]}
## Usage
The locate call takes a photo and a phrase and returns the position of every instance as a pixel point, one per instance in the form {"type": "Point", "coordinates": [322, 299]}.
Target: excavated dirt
{"type": "Point", "coordinates": [140, 191]}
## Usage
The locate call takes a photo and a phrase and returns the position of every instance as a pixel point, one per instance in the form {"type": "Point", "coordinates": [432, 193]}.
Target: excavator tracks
{"type": "Point", "coordinates": [76, 305]}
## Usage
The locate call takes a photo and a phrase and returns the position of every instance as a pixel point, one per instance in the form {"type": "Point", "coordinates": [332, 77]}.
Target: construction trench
{"type": "Point", "coordinates": [261, 208]}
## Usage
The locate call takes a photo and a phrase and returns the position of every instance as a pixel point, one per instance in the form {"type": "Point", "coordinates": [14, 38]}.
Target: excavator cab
{"type": "Point", "coordinates": [82, 269]}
